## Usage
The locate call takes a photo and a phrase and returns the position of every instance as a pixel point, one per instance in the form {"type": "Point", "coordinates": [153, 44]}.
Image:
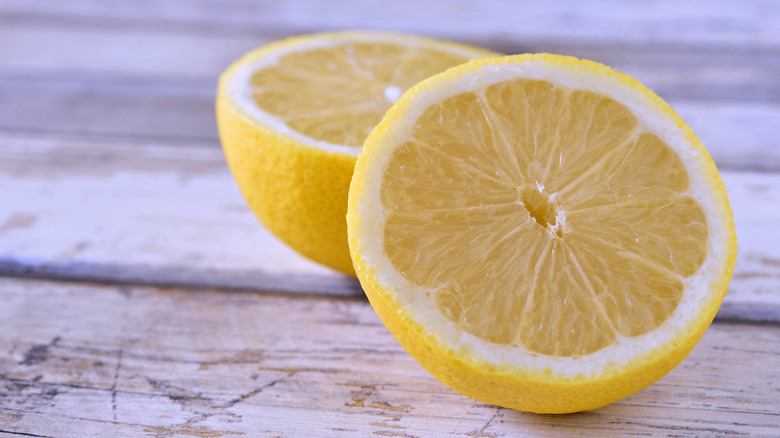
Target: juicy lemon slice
{"type": "Point", "coordinates": [292, 118]}
{"type": "Point", "coordinates": [540, 232]}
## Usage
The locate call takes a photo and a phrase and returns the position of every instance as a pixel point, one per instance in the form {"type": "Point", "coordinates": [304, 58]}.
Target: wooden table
{"type": "Point", "coordinates": [140, 297]}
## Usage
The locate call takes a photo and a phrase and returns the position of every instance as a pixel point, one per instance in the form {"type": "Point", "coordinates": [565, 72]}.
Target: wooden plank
{"type": "Point", "coordinates": [131, 52]}
{"type": "Point", "coordinates": [151, 213]}
{"type": "Point", "coordinates": [673, 71]}
{"type": "Point", "coordinates": [183, 110]}
{"type": "Point", "coordinates": [737, 134]}
{"type": "Point", "coordinates": [160, 109]}
{"type": "Point", "coordinates": [145, 214]}
{"type": "Point", "coordinates": [116, 361]}
{"type": "Point", "coordinates": [750, 24]}
{"type": "Point", "coordinates": [157, 83]}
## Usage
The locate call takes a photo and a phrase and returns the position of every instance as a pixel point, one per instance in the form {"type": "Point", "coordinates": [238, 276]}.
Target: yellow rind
{"type": "Point", "coordinates": [539, 391]}
{"type": "Point", "coordinates": [297, 191]}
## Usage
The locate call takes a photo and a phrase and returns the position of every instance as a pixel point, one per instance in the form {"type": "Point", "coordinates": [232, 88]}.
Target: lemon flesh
{"type": "Point", "coordinates": [338, 94]}
{"type": "Point", "coordinates": [542, 216]}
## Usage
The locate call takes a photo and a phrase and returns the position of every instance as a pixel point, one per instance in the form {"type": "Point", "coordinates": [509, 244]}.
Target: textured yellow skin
{"type": "Point", "coordinates": [507, 385]}
{"type": "Point", "coordinates": [297, 191]}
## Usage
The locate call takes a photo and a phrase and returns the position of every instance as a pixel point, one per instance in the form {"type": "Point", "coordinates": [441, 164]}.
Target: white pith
{"type": "Point", "coordinates": [424, 310]}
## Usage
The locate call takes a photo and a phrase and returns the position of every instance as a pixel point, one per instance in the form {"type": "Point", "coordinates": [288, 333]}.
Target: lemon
{"type": "Point", "coordinates": [292, 118]}
{"type": "Point", "coordinates": [540, 232]}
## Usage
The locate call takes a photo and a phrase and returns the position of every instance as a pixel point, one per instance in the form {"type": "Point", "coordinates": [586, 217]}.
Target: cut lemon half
{"type": "Point", "coordinates": [540, 232]}
{"type": "Point", "coordinates": [292, 118]}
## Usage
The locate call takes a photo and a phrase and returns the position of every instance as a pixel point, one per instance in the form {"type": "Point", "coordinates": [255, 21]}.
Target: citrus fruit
{"type": "Point", "coordinates": [540, 232]}
{"type": "Point", "coordinates": [292, 118]}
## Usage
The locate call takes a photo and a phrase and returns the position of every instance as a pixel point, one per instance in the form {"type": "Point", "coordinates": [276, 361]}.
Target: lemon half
{"type": "Point", "coordinates": [540, 232]}
{"type": "Point", "coordinates": [292, 118]}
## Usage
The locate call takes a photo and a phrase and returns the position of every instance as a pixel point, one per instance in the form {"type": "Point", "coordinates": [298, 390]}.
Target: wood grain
{"type": "Point", "coordinates": [754, 24]}
{"type": "Point", "coordinates": [101, 51]}
{"type": "Point", "coordinates": [140, 212]}
{"type": "Point", "coordinates": [182, 112]}
{"type": "Point", "coordinates": [150, 213]}
{"type": "Point", "coordinates": [116, 107]}
{"type": "Point", "coordinates": [87, 84]}
{"type": "Point", "coordinates": [673, 71]}
{"type": "Point", "coordinates": [111, 173]}
{"type": "Point", "coordinates": [142, 361]}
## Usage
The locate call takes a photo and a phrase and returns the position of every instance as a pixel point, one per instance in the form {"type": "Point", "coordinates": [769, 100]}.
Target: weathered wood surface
{"type": "Point", "coordinates": [753, 23]}
{"type": "Point", "coordinates": [169, 215]}
{"type": "Point", "coordinates": [142, 213]}
{"type": "Point", "coordinates": [117, 362]}
{"type": "Point", "coordinates": [730, 98]}
{"type": "Point", "coordinates": [111, 177]}
{"type": "Point", "coordinates": [181, 111]}
{"type": "Point", "coordinates": [673, 71]}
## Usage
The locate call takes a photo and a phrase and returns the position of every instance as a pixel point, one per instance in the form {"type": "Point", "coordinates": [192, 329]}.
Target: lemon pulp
{"type": "Point", "coordinates": [337, 94]}
{"type": "Point", "coordinates": [542, 216]}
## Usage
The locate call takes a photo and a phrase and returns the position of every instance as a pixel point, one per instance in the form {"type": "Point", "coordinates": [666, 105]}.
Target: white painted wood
{"type": "Point", "coordinates": [70, 50]}
{"type": "Point", "coordinates": [119, 107]}
{"type": "Point", "coordinates": [755, 200]}
{"type": "Point", "coordinates": [154, 83]}
{"type": "Point", "coordinates": [110, 171]}
{"type": "Point", "coordinates": [127, 211]}
{"type": "Point", "coordinates": [739, 135]}
{"type": "Point", "coordinates": [751, 24]}
{"type": "Point", "coordinates": [161, 214]}
{"type": "Point", "coordinates": [82, 360]}
{"type": "Point", "coordinates": [76, 49]}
